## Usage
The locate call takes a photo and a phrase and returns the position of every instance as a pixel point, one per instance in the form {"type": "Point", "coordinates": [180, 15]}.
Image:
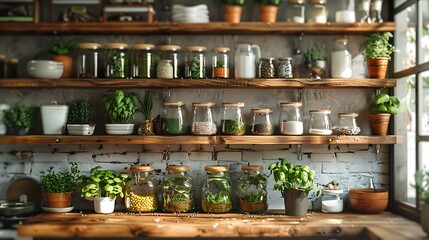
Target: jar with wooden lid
{"type": "Point", "coordinates": [347, 124]}
{"type": "Point", "coordinates": [220, 62]}
{"type": "Point", "coordinates": [195, 62]}
{"type": "Point", "coordinates": [316, 11]}
{"type": "Point", "coordinates": [262, 123]}
{"type": "Point", "coordinates": [216, 191]}
{"type": "Point", "coordinates": [144, 61]}
{"type": "Point", "coordinates": [172, 53]}
{"type": "Point", "coordinates": [117, 59]}
{"type": "Point", "coordinates": [320, 123]}
{"type": "Point", "coordinates": [232, 118]}
{"type": "Point", "coordinates": [173, 118]}
{"type": "Point", "coordinates": [203, 122]}
{"type": "Point", "coordinates": [252, 190]}
{"type": "Point", "coordinates": [291, 118]}
{"type": "Point", "coordinates": [164, 69]}
{"type": "Point", "coordinates": [89, 63]}
{"type": "Point", "coordinates": [266, 68]}
{"type": "Point", "coordinates": [177, 191]}
{"type": "Point", "coordinates": [295, 11]}
{"type": "Point", "coordinates": [142, 190]}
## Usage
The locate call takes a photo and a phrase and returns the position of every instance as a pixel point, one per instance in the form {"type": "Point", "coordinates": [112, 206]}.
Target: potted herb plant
{"type": "Point", "coordinates": [268, 10]}
{"type": "Point", "coordinates": [103, 186]}
{"type": "Point", "coordinates": [232, 10]}
{"type": "Point", "coordinates": [58, 186]}
{"type": "Point", "coordinates": [377, 50]}
{"type": "Point", "coordinates": [19, 119]}
{"type": "Point", "coordinates": [315, 62]}
{"type": "Point", "coordinates": [422, 184]}
{"type": "Point", "coordinates": [120, 109]}
{"type": "Point", "coordinates": [294, 182]}
{"type": "Point", "coordinates": [146, 126]}
{"type": "Point", "coordinates": [81, 118]}
{"type": "Point", "coordinates": [380, 111]}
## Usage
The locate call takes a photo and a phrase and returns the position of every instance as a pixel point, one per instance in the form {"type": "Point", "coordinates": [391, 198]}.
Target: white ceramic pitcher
{"type": "Point", "coordinates": [246, 57]}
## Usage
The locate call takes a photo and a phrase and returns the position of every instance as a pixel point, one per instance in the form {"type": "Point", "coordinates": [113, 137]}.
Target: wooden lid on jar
{"type": "Point", "coordinates": [233, 104]}
{"type": "Point", "coordinates": [262, 110]}
{"type": "Point", "coordinates": [203, 104]}
{"type": "Point", "coordinates": [285, 59]}
{"type": "Point", "coordinates": [266, 59]}
{"type": "Point", "coordinates": [296, 1]}
{"type": "Point", "coordinates": [116, 45]}
{"type": "Point", "coordinates": [348, 114]}
{"type": "Point", "coordinates": [139, 168]}
{"type": "Point", "coordinates": [169, 48]}
{"type": "Point", "coordinates": [221, 49]}
{"type": "Point", "coordinates": [252, 168]}
{"type": "Point", "coordinates": [285, 104]}
{"type": "Point", "coordinates": [318, 1]}
{"type": "Point", "coordinates": [143, 46]}
{"type": "Point", "coordinates": [196, 48]}
{"type": "Point", "coordinates": [216, 168]}
{"type": "Point", "coordinates": [89, 45]}
{"type": "Point", "coordinates": [178, 103]}
{"type": "Point", "coordinates": [177, 168]}
{"type": "Point", "coordinates": [320, 111]}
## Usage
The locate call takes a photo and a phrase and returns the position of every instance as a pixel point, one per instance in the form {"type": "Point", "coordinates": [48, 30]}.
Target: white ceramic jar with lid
{"type": "Point", "coordinates": [320, 123]}
{"type": "Point", "coordinates": [291, 118]}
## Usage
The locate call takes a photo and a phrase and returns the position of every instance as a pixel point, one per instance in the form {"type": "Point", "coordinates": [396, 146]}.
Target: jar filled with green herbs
{"type": "Point", "coordinates": [216, 192]}
{"type": "Point", "coordinates": [173, 118]}
{"type": "Point", "coordinates": [252, 190]}
{"type": "Point", "coordinates": [195, 62]}
{"type": "Point", "coordinates": [144, 61]}
{"type": "Point", "coordinates": [177, 191]}
{"type": "Point", "coordinates": [141, 191]}
{"type": "Point", "coordinates": [232, 118]}
{"type": "Point", "coordinates": [89, 60]}
{"type": "Point", "coordinates": [117, 61]}
{"type": "Point", "coordinates": [172, 53]}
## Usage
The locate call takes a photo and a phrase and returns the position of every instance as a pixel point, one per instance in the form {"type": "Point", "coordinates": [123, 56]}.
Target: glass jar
{"type": "Point", "coordinates": [202, 118]}
{"type": "Point", "coordinates": [291, 118]}
{"type": "Point", "coordinates": [341, 65]}
{"type": "Point", "coordinates": [3, 66]}
{"type": "Point", "coordinates": [144, 61]}
{"type": "Point", "coordinates": [89, 61]}
{"type": "Point", "coordinates": [232, 118]}
{"type": "Point", "coordinates": [195, 62]}
{"type": "Point", "coordinates": [220, 62]}
{"type": "Point", "coordinates": [266, 68]}
{"type": "Point", "coordinates": [141, 191]}
{"type": "Point", "coordinates": [117, 61]}
{"type": "Point", "coordinates": [177, 191]}
{"type": "Point", "coordinates": [295, 11]}
{"type": "Point", "coordinates": [284, 68]}
{"type": "Point", "coordinates": [332, 202]}
{"type": "Point", "coordinates": [171, 52]}
{"type": "Point", "coordinates": [317, 11]}
{"type": "Point", "coordinates": [320, 123]}
{"type": "Point", "coordinates": [164, 69]}
{"type": "Point", "coordinates": [216, 192]}
{"type": "Point", "coordinates": [252, 190]}
{"type": "Point", "coordinates": [12, 68]}
{"type": "Point", "coordinates": [173, 118]}
{"type": "Point", "coordinates": [347, 124]}
{"type": "Point", "coordinates": [262, 123]}
{"type": "Point", "coordinates": [376, 7]}
{"type": "Point", "coordinates": [364, 7]}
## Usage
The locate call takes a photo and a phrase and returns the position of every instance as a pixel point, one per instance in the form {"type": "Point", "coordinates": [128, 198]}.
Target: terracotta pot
{"type": "Point", "coordinates": [377, 67]}
{"type": "Point", "coordinates": [296, 202]}
{"type": "Point", "coordinates": [379, 123]}
{"type": "Point", "coordinates": [68, 64]}
{"type": "Point", "coordinates": [232, 13]}
{"type": "Point", "coordinates": [368, 200]}
{"type": "Point", "coordinates": [268, 13]}
{"type": "Point", "coordinates": [424, 217]}
{"type": "Point", "coordinates": [57, 200]}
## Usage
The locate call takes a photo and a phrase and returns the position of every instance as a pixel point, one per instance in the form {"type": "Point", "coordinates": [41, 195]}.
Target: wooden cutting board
{"type": "Point", "coordinates": [25, 186]}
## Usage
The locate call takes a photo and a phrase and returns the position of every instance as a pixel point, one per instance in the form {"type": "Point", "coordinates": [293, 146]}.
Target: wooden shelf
{"type": "Point", "coordinates": [212, 140]}
{"type": "Point", "coordinates": [197, 83]}
{"type": "Point", "coordinates": [212, 28]}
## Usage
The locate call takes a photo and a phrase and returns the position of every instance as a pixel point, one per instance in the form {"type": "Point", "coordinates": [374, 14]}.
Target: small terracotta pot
{"type": "Point", "coordinates": [377, 67]}
{"type": "Point", "coordinates": [232, 13]}
{"type": "Point", "coordinates": [268, 13]}
{"type": "Point", "coordinates": [68, 64]}
{"type": "Point", "coordinates": [379, 123]}
{"type": "Point", "coordinates": [57, 200]}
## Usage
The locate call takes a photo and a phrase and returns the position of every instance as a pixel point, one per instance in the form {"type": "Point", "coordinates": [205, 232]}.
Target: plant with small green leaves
{"type": "Point", "coordinates": [269, 2]}
{"type": "Point", "coordinates": [257, 184]}
{"type": "Point", "coordinates": [233, 2]}
{"type": "Point", "coordinates": [103, 183]}
{"type": "Point", "coordinates": [59, 182]}
{"type": "Point", "coordinates": [20, 116]}
{"type": "Point", "coordinates": [146, 105]}
{"type": "Point", "coordinates": [422, 184]}
{"type": "Point", "coordinates": [377, 45]}
{"type": "Point", "coordinates": [383, 103]}
{"type": "Point", "coordinates": [314, 54]}
{"type": "Point", "coordinates": [81, 112]}
{"type": "Point", "coordinates": [120, 107]}
{"type": "Point", "coordinates": [65, 47]}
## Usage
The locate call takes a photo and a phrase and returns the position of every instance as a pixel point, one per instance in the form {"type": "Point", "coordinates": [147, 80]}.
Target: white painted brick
{"type": "Point", "coordinates": [201, 156]}
{"type": "Point", "coordinates": [149, 157]}
{"type": "Point", "coordinates": [240, 146]}
{"type": "Point", "coordinates": [276, 154]}
{"type": "Point", "coordinates": [7, 157]}
{"type": "Point", "coordinates": [119, 149]}
{"type": "Point", "coordinates": [252, 156]}
{"type": "Point", "coordinates": [381, 179]}
{"type": "Point", "coordinates": [380, 168]}
{"type": "Point", "coordinates": [315, 148]}
{"type": "Point", "coordinates": [229, 156]}
{"type": "Point", "coordinates": [359, 168]}
{"type": "Point", "coordinates": [209, 148]}
{"type": "Point", "coordinates": [365, 156]}
{"type": "Point", "coordinates": [179, 156]}
{"type": "Point", "coordinates": [334, 168]}
{"type": "Point", "coordinates": [189, 147]}
{"type": "Point", "coordinates": [345, 157]}
{"type": "Point", "coordinates": [15, 168]}
{"type": "Point", "coordinates": [50, 157]}
{"type": "Point", "coordinates": [81, 157]}
{"type": "Point", "coordinates": [154, 148]}
{"type": "Point", "coordinates": [358, 147]}
{"type": "Point", "coordinates": [27, 167]}
{"type": "Point", "coordinates": [323, 157]}
{"type": "Point", "coordinates": [129, 157]}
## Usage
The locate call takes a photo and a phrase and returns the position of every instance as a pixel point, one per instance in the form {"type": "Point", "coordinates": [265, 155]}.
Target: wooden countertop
{"type": "Point", "coordinates": [274, 224]}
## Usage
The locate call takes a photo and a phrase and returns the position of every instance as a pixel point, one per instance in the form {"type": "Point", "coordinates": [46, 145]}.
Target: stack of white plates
{"type": "Point", "coordinates": [192, 14]}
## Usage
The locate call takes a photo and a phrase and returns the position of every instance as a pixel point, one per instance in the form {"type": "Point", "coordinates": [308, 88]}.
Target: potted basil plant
{"type": "Point", "coordinates": [81, 118]}
{"type": "Point", "coordinates": [376, 51]}
{"type": "Point", "coordinates": [380, 111]}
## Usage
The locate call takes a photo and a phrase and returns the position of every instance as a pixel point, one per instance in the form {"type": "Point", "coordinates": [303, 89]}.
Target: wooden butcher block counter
{"type": "Point", "coordinates": [274, 224]}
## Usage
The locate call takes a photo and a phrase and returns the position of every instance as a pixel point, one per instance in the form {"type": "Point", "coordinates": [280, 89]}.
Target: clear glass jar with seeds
{"type": "Point", "coordinates": [141, 193]}
{"type": "Point", "coordinates": [164, 69]}
{"type": "Point", "coordinates": [220, 62]}
{"type": "Point", "coordinates": [232, 118]}
{"type": "Point", "coordinates": [177, 191]}
{"type": "Point", "coordinates": [117, 61]}
{"type": "Point", "coordinates": [216, 192]}
{"type": "Point", "coordinates": [252, 190]}
{"type": "Point", "coordinates": [262, 123]}
{"type": "Point", "coordinates": [203, 122]}
{"type": "Point", "coordinates": [89, 61]}
{"type": "Point", "coordinates": [173, 118]}
{"type": "Point", "coordinates": [172, 53]}
{"type": "Point", "coordinates": [195, 62]}
{"type": "Point", "coordinates": [266, 68]}
{"type": "Point", "coordinates": [347, 124]}
{"type": "Point", "coordinates": [144, 61]}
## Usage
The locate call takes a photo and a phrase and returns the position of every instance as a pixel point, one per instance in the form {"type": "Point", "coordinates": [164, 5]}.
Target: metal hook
{"type": "Point", "coordinates": [166, 153]}
{"type": "Point", "coordinates": [299, 152]}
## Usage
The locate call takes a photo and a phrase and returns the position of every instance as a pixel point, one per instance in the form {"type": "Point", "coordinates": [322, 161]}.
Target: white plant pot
{"type": "Point", "coordinates": [3, 107]}
{"type": "Point", "coordinates": [104, 205]}
{"type": "Point", "coordinates": [120, 129]}
{"type": "Point", "coordinates": [424, 217]}
{"type": "Point", "coordinates": [80, 129]}
{"type": "Point", "coordinates": [54, 118]}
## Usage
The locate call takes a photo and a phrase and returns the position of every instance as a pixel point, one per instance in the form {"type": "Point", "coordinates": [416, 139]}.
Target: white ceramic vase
{"type": "Point", "coordinates": [80, 129]}
{"type": "Point", "coordinates": [120, 129]}
{"type": "Point", "coordinates": [3, 107]}
{"type": "Point", "coordinates": [104, 204]}
{"type": "Point", "coordinates": [54, 118]}
{"type": "Point", "coordinates": [424, 217]}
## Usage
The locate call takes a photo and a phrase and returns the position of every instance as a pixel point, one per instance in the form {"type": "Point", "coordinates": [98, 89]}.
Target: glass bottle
{"type": "Point", "coordinates": [296, 11]}
{"type": "Point", "coordinates": [141, 191]}
{"type": "Point", "coordinates": [12, 68]}
{"type": "Point", "coordinates": [317, 11]}
{"type": "Point", "coordinates": [262, 123]}
{"type": "Point", "coordinates": [177, 191]}
{"type": "Point", "coordinates": [3, 66]}
{"type": "Point", "coordinates": [203, 122]}
{"type": "Point", "coordinates": [252, 190]}
{"type": "Point", "coordinates": [376, 7]}
{"type": "Point", "coordinates": [332, 202]}
{"type": "Point", "coordinates": [220, 62]}
{"type": "Point", "coordinates": [341, 60]}
{"type": "Point", "coordinates": [173, 118]}
{"type": "Point", "coordinates": [232, 118]}
{"type": "Point", "coordinates": [195, 62]}
{"type": "Point", "coordinates": [216, 191]}
{"type": "Point", "coordinates": [320, 123]}
{"type": "Point", "coordinates": [89, 61]}
{"type": "Point", "coordinates": [291, 118]}
{"type": "Point", "coordinates": [364, 7]}
{"type": "Point", "coordinates": [347, 124]}
{"type": "Point", "coordinates": [171, 52]}
{"type": "Point", "coordinates": [117, 61]}
{"type": "Point", "coordinates": [144, 61]}
{"type": "Point", "coordinates": [284, 68]}
{"type": "Point", "coordinates": [266, 68]}
{"type": "Point", "coordinates": [164, 69]}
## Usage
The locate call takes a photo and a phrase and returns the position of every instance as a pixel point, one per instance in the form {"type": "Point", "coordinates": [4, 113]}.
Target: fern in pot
{"type": "Point", "coordinates": [81, 118]}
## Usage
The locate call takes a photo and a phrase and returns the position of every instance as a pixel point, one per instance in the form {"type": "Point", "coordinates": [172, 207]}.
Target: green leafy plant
{"type": "Point", "coordinates": [120, 107]}
{"type": "Point", "coordinates": [20, 116]}
{"type": "Point", "coordinates": [268, 2]}
{"type": "Point", "coordinates": [314, 54]}
{"type": "Point", "coordinates": [422, 184]}
{"type": "Point", "coordinates": [146, 105]}
{"type": "Point", "coordinates": [296, 177]}
{"type": "Point", "coordinates": [81, 112]}
{"type": "Point", "coordinates": [256, 182]}
{"type": "Point", "coordinates": [383, 103]}
{"type": "Point", "coordinates": [103, 183]}
{"type": "Point", "coordinates": [59, 182]}
{"type": "Point", "coordinates": [233, 2]}
{"type": "Point", "coordinates": [220, 64]}
{"type": "Point", "coordinates": [65, 47]}
{"type": "Point", "coordinates": [377, 45]}
{"type": "Point", "coordinates": [194, 69]}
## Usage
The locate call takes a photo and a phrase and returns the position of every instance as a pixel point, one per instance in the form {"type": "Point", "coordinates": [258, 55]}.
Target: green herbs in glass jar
{"type": "Point", "coordinates": [252, 190]}
{"type": "Point", "coordinates": [177, 192]}
{"type": "Point", "coordinates": [216, 195]}
{"type": "Point", "coordinates": [232, 118]}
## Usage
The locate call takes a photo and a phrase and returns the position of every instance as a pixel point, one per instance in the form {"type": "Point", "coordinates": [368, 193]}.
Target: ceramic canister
{"type": "Point", "coordinates": [54, 118]}
{"type": "Point", "coordinates": [3, 107]}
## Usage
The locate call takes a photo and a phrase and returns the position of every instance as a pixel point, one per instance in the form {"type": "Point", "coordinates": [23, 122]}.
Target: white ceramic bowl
{"type": "Point", "coordinates": [45, 69]}
{"type": "Point", "coordinates": [119, 129]}
{"type": "Point", "coordinates": [80, 129]}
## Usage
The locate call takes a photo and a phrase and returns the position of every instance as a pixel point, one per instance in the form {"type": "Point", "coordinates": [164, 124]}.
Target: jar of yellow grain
{"type": "Point", "coordinates": [141, 191]}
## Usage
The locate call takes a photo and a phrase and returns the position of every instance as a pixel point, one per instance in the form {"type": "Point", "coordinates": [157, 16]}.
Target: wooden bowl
{"type": "Point", "coordinates": [368, 200]}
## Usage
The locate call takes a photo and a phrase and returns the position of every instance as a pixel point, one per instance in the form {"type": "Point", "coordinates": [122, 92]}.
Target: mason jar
{"type": "Point", "coordinates": [284, 68]}
{"type": "Point", "coordinates": [262, 123]}
{"type": "Point", "coordinates": [320, 123]}
{"type": "Point", "coordinates": [173, 118]}
{"type": "Point", "coordinates": [177, 190]}
{"type": "Point", "coordinates": [203, 122]}
{"type": "Point", "coordinates": [220, 62]}
{"type": "Point", "coordinates": [141, 193]}
{"type": "Point", "coordinates": [232, 118]}
{"type": "Point", "coordinates": [216, 191]}
{"type": "Point", "coordinates": [295, 11]}
{"type": "Point", "coordinates": [144, 61]}
{"type": "Point", "coordinates": [117, 60]}
{"type": "Point", "coordinates": [347, 124]}
{"type": "Point", "coordinates": [89, 60]}
{"type": "Point", "coordinates": [164, 69]}
{"type": "Point", "coordinates": [316, 11]}
{"type": "Point", "coordinates": [291, 118]}
{"type": "Point", "coordinates": [252, 190]}
{"type": "Point", "coordinates": [195, 62]}
{"type": "Point", "coordinates": [172, 53]}
{"type": "Point", "coordinates": [266, 68]}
